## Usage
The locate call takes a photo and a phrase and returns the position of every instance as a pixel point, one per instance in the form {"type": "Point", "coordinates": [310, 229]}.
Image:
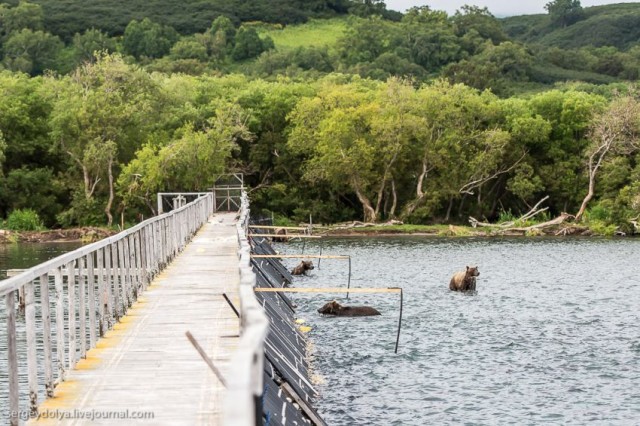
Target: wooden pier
{"type": "Point", "coordinates": [145, 367]}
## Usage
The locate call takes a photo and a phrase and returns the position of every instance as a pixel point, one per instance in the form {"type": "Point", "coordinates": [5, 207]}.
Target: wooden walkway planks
{"type": "Point", "coordinates": [146, 363]}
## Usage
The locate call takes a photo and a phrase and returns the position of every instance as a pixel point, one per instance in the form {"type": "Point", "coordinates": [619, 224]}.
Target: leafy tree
{"type": "Point", "coordinates": [91, 41]}
{"type": "Point", "coordinates": [496, 68]}
{"type": "Point", "coordinates": [564, 12]}
{"type": "Point", "coordinates": [40, 189]}
{"type": "Point", "coordinates": [23, 16]}
{"type": "Point", "coordinates": [188, 49]}
{"type": "Point", "coordinates": [192, 160]}
{"type": "Point", "coordinates": [366, 8]}
{"type": "Point", "coordinates": [249, 45]}
{"type": "Point", "coordinates": [148, 39]}
{"type": "Point", "coordinates": [479, 21]}
{"type": "Point", "coordinates": [98, 116]}
{"type": "Point", "coordinates": [615, 131]}
{"type": "Point", "coordinates": [32, 52]}
{"type": "Point", "coordinates": [364, 40]}
{"type": "Point", "coordinates": [223, 26]}
{"type": "Point", "coordinates": [427, 38]}
{"type": "Point", "coordinates": [3, 146]}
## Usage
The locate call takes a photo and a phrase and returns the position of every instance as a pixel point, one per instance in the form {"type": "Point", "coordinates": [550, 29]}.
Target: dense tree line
{"type": "Point", "coordinates": [426, 118]}
{"type": "Point", "coordinates": [96, 145]}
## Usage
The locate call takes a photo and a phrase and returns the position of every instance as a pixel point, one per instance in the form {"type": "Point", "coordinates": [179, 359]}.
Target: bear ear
{"type": "Point", "coordinates": [467, 268]}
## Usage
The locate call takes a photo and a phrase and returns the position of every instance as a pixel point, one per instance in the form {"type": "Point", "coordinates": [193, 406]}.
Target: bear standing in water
{"type": "Point", "coordinates": [302, 268]}
{"type": "Point", "coordinates": [464, 280]}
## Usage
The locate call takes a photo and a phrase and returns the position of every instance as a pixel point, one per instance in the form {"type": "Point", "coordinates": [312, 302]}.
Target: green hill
{"type": "Point", "coordinates": [615, 25]}
{"type": "Point", "coordinates": [67, 17]}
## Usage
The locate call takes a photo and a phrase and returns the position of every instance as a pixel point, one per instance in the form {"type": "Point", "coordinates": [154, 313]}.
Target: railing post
{"type": "Point", "coordinates": [45, 309]}
{"type": "Point", "coordinates": [102, 293]}
{"type": "Point", "coordinates": [108, 283]}
{"type": "Point", "coordinates": [32, 355]}
{"type": "Point", "coordinates": [12, 361]}
{"type": "Point", "coordinates": [71, 283]}
{"type": "Point", "coordinates": [82, 305]}
{"type": "Point", "coordinates": [57, 276]}
{"type": "Point", "coordinates": [92, 301]}
{"type": "Point", "coordinates": [122, 274]}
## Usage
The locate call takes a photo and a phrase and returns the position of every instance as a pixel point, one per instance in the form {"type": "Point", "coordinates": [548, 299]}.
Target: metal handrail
{"type": "Point", "coordinates": [245, 385]}
{"type": "Point", "coordinates": [104, 278]}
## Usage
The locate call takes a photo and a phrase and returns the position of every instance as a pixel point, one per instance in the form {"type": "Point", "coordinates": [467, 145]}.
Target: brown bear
{"type": "Point", "coordinates": [334, 308]}
{"type": "Point", "coordinates": [279, 239]}
{"type": "Point", "coordinates": [302, 268]}
{"type": "Point", "coordinates": [464, 280]}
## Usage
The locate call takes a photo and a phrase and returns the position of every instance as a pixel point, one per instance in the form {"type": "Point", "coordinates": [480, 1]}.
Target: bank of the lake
{"type": "Point", "coordinates": [81, 235]}
{"type": "Point", "coordinates": [379, 230]}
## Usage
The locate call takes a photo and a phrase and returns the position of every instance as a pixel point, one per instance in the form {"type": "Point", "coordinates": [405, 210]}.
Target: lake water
{"type": "Point", "coordinates": [26, 255]}
{"type": "Point", "coordinates": [552, 335]}
{"type": "Point", "coordinates": [22, 256]}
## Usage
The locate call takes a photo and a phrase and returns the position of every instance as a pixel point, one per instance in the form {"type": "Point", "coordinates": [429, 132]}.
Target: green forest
{"type": "Point", "coordinates": [342, 110]}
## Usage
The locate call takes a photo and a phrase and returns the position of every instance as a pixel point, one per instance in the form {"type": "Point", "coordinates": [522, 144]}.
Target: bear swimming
{"type": "Point", "coordinates": [302, 268]}
{"type": "Point", "coordinates": [464, 280]}
{"type": "Point", "coordinates": [334, 308]}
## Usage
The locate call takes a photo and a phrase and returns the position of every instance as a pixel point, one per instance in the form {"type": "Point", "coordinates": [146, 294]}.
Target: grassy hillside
{"type": "Point", "coordinates": [67, 17]}
{"type": "Point", "coordinates": [611, 25]}
{"type": "Point", "coordinates": [316, 32]}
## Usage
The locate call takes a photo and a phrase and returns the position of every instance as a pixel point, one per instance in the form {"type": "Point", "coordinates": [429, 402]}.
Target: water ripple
{"type": "Point", "coordinates": [551, 336]}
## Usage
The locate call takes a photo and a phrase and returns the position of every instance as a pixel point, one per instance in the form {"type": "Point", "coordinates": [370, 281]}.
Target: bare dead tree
{"type": "Point", "coordinates": [477, 181]}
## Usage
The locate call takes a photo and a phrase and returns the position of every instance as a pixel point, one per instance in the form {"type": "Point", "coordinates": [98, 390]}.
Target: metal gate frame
{"type": "Point", "coordinates": [227, 192]}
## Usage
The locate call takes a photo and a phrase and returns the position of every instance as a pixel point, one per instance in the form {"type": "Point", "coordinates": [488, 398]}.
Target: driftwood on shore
{"type": "Point", "coordinates": [358, 224]}
{"type": "Point", "coordinates": [556, 226]}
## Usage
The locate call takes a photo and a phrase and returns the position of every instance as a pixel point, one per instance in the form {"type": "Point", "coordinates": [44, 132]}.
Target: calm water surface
{"type": "Point", "coordinates": [22, 256]}
{"type": "Point", "coordinates": [26, 255]}
{"type": "Point", "coordinates": [552, 335]}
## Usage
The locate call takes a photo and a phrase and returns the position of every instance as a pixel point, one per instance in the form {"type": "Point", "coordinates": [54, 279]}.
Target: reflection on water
{"type": "Point", "coordinates": [551, 336]}
{"type": "Point", "coordinates": [26, 255]}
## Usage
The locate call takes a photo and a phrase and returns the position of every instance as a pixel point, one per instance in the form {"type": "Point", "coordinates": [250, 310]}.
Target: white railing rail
{"type": "Point", "coordinates": [93, 287]}
{"type": "Point", "coordinates": [244, 384]}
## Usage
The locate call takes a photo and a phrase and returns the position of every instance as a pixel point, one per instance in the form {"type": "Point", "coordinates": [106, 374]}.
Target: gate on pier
{"type": "Point", "coordinates": [227, 192]}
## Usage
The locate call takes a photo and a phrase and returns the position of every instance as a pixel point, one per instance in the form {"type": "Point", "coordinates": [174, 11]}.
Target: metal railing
{"type": "Point", "coordinates": [91, 288]}
{"type": "Point", "coordinates": [245, 385]}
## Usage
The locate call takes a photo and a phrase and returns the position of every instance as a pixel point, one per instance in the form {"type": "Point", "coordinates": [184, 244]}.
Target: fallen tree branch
{"type": "Point", "coordinates": [531, 213]}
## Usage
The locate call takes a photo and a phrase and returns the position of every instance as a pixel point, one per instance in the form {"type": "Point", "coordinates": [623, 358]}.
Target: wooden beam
{"type": "Point", "coordinates": [296, 256]}
{"type": "Point", "coordinates": [326, 290]}
{"type": "Point", "coordinates": [283, 235]}
{"type": "Point", "coordinates": [317, 421]}
{"type": "Point", "coordinates": [293, 228]}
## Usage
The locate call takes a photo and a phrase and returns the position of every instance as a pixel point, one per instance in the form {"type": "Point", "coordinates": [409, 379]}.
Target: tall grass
{"type": "Point", "coordinates": [316, 32]}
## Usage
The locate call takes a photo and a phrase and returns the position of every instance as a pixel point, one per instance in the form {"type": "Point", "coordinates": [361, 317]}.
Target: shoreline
{"type": "Point", "coordinates": [92, 234]}
{"type": "Point", "coordinates": [84, 235]}
{"type": "Point", "coordinates": [444, 231]}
